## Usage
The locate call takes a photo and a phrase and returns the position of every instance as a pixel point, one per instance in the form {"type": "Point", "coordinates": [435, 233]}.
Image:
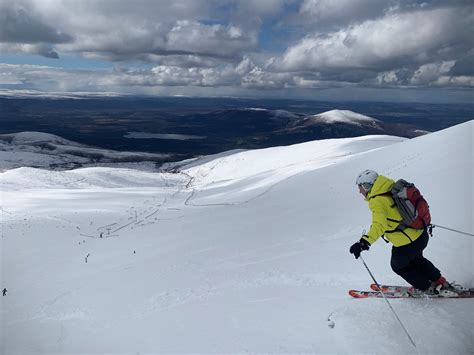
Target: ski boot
{"type": "Point", "coordinates": [432, 291]}
{"type": "Point", "coordinates": [445, 288]}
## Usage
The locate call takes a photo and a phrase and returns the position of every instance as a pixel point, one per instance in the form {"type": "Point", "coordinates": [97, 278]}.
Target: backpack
{"type": "Point", "coordinates": [412, 206]}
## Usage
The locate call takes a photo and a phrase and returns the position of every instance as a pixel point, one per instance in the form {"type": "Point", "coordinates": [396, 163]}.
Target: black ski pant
{"type": "Point", "coordinates": [408, 262]}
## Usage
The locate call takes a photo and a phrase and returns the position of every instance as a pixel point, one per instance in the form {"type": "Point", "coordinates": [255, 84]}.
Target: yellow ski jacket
{"type": "Point", "coordinates": [385, 216]}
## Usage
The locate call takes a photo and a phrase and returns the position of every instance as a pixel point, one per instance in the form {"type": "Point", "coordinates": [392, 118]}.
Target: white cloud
{"type": "Point", "coordinates": [169, 75]}
{"type": "Point", "coordinates": [437, 74]}
{"type": "Point", "coordinates": [388, 78]}
{"type": "Point", "coordinates": [212, 40]}
{"type": "Point", "coordinates": [8, 79]}
{"type": "Point", "coordinates": [227, 44]}
{"type": "Point", "coordinates": [120, 31]}
{"type": "Point", "coordinates": [396, 40]}
{"type": "Point", "coordinates": [244, 66]}
{"type": "Point", "coordinates": [53, 79]}
{"type": "Point", "coordinates": [184, 37]}
{"type": "Point", "coordinates": [43, 49]}
{"type": "Point", "coordinates": [430, 73]}
{"type": "Point", "coordinates": [261, 79]}
{"type": "Point", "coordinates": [183, 60]}
{"type": "Point", "coordinates": [427, 75]}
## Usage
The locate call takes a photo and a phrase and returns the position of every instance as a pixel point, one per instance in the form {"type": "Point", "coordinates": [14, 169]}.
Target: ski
{"type": "Point", "coordinates": [389, 288]}
{"type": "Point", "coordinates": [377, 294]}
{"type": "Point", "coordinates": [400, 293]}
{"type": "Point", "coordinates": [461, 290]}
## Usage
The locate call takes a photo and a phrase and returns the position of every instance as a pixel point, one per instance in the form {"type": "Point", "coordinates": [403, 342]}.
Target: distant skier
{"type": "Point", "coordinates": [408, 243]}
{"type": "Point", "coordinates": [4, 291]}
{"type": "Point", "coordinates": [101, 234]}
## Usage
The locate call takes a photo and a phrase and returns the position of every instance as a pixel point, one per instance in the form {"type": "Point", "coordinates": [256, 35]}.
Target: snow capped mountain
{"type": "Point", "coordinates": [328, 117]}
{"type": "Point", "coordinates": [343, 116]}
{"type": "Point", "coordinates": [43, 150]}
{"type": "Point", "coordinates": [245, 251]}
{"type": "Point", "coordinates": [343, 120]}
{"type": "Point", "coordinates": [339, 123]}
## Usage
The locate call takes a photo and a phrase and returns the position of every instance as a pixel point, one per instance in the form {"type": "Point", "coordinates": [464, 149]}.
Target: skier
{"type": "Point", "coordinates": [4, 291]}
{"type": "Point", "coordinates": [407, 252]}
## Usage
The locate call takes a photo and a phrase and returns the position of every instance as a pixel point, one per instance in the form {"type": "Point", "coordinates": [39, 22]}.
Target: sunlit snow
{"type": "Point", "coordinates": [246, 251]}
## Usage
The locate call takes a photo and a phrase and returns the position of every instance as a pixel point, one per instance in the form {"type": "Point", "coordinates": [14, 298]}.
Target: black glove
{"type": "Point", "coordinates": [358, 247]}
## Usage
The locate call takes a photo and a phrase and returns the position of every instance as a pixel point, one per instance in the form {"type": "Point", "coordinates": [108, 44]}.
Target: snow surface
{"type": "Point", "coordinates": [245, 252]}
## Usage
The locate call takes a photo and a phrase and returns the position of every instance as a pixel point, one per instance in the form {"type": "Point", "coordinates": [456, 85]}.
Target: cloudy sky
{"type": "Point", "coordinates": [390, 50]}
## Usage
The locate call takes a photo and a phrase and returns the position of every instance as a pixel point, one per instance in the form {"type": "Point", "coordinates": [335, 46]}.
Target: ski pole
{"type": "Point", "coordinates": [452, 230]}
{"type": "Point", "coordinates": [386, 300]}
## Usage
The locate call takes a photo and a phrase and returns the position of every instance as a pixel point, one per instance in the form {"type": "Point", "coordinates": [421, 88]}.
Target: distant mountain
{"type": "Point", "coordinates": [343, 116]}
{"type": "Point", "coordinates": [37, 139]}
{"type": "Point", "coordinates": [218, 131]}
{"type": "Point", "coordinates": [263, 128]}
{"type": "Point", "coordinates": [183, 128]}
{"type": "Point", "coordinates": [33, 94]}
{"type": "Point", "coordinates": [336, 124]}
{"type": "Point", "coordinates": [43, 150]}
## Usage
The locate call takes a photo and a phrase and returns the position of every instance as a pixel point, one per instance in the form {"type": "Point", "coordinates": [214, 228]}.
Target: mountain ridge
{"type": "Point", "coordinates": [47, 150]}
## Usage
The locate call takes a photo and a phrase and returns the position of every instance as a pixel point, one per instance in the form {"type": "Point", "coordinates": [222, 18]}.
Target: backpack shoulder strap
{"type": "Point", "coordinates": [400, 185]}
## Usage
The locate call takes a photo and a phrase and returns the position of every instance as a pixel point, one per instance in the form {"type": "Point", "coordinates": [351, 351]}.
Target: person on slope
{"type": "Point", "coordinates": [4, 291]}
{"type": "Point", "coordinates": [408, 244]}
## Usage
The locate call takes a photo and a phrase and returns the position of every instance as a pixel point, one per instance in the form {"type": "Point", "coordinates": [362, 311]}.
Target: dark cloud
{"type": "Point", "coordinates": [463, 66]}
{"type": "Point", "coordinates": [47, 51]}
{"type": "Point", "coordinates": [19, 23]}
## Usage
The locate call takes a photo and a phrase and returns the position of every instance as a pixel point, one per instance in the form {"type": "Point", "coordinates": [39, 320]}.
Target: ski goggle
{"type": "Point", "coordinates": [365, 186]}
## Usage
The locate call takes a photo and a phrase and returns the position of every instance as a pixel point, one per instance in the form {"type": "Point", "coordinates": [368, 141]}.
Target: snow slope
{"type": "Point", "coordinates": [278, 161]}
{"type": "Point", "coordinates": [246, 252]}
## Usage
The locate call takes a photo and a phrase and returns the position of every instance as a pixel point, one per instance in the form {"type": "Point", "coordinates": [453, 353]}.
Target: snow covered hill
{"type": "Point", "coordinates": [48, 151]}
{"type": "Point", "coordinates": [245, 251]}
{"type": "Point", "coordinates": [345, 123]}
{"type": "Point", "coordinates": [343, 116]}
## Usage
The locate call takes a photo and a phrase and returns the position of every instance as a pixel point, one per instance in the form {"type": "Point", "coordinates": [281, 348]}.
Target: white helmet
{"type": "Point", "coordinates": [367, 179]}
